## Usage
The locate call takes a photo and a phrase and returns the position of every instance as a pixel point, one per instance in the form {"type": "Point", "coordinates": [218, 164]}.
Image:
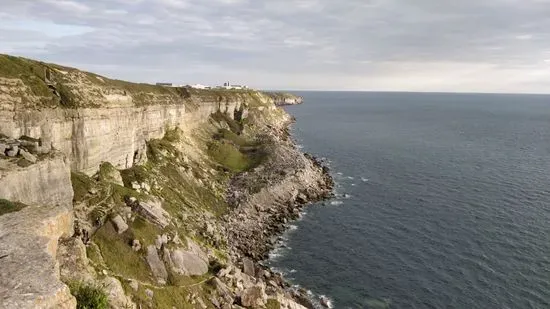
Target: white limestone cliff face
{"type": "Point", "coordinates": [90, 136]}
{"type": "Point", "coordinates": [47, 182]}
{"type": "Point", "coordinates": [29, 237]}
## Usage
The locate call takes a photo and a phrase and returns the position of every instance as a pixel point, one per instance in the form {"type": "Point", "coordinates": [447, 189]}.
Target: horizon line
{"type": "Point", "coordinates": [410, 91]}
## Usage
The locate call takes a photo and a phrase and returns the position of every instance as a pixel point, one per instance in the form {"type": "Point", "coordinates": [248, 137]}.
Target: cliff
{"type": "Point", "coordinates": [159, 197]}
{"type": "Point", "coordinates": [285, 98]}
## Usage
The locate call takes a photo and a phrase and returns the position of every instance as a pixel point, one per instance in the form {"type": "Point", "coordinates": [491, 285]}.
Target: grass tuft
{"type": "Point", "coordinates": [89, 296]}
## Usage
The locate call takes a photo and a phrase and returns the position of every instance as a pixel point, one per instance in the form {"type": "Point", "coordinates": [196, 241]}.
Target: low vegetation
{"type": "Point", "coordinates": [113, 246]}
{"type": "Point", "coordinates": [8, 206]}
{"type": "Point", "coordinates": [273, 304]}
{"type": "Point", "coordinates": [89, 296]}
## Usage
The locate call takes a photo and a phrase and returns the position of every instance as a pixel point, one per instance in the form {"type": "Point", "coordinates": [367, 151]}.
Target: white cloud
{"type": "Point", "coordinates": [468, 45]}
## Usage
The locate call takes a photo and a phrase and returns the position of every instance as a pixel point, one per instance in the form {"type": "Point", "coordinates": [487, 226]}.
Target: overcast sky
{"type": "Point", "coordinates": [411, 45]}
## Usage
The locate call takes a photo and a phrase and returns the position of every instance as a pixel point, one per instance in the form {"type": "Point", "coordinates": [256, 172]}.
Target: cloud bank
{"type": "Point", "coordinates": [397, 45]}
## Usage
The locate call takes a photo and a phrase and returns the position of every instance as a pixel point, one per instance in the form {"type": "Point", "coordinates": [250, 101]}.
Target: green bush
{"type": "Point", "coordinates": [89, 296]}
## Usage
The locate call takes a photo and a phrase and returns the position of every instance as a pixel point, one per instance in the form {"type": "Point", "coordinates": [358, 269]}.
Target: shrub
{"type": "Point", "coordinates": [89, 296]}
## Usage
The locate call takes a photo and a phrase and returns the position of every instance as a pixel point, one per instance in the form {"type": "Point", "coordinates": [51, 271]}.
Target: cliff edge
{"type": "Point", "coordinates": [154, 197]}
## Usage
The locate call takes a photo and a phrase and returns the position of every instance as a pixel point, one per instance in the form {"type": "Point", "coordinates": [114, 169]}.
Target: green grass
{"type": "Point", "coordinates": [8, 206]}
{"type": "Point", "coordinates": [30, 72]}
{"type": "Point", "coordinates": [236, 139]}
{"type": "Point", "coordinates": [273, 304]}
{"type": "Point", "coordinates": [171, 297]}
{"type": "Point", "coordinates": [229, 156]}
{"type": "Point", "coordinates": [89, 296]}
{"type": "Point", "coordinates": [138, 174]}
{"type": "Point", "coordinates": [82, 184]}
{"type": "Point", "coordinates": [118, 254]}
{"type": "Point", "coordinates": [145, 231]}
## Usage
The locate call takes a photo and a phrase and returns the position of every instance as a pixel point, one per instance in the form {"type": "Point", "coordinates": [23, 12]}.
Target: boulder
{"type": "Point", "coordinates": [288, 303]}
{"type": "Point", "coordinates": [13, 151]}
{"type": "Point", "coordinates": [224, 291]}
{"type": "Point", "coordinates": [161, 240]}
{"type": "Point", "coordinates": [120, 224]}
{"type": "Point", "coordinates": [136, 245]}
{"type": "Point", "coordinates": [134, 285]}
{"type": "Point", "coordinates": [156, 265]}
{"type": "Point", "coordinates": [108, 173]}
{"type": "Point", "coordinates": [115, 294]}
{"type": "Point", "coordinates": [73, 262]}
{"type": "Point", "coordinates": [149, 293]}
{"type": "Point", "coordinates": [28, 156]}
{"type": "Point", "coordinates": [187, 263]}
{"type": "Point", "coordinates": [248, 267]}
{"type": "Point", "coordinates": [254, 297]}
{"type": "Point", "coordinates": [152, 210]}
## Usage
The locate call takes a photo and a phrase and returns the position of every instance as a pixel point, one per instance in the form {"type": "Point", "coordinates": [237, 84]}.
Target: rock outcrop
{"type": "Point", "coordinates": [282, 98]}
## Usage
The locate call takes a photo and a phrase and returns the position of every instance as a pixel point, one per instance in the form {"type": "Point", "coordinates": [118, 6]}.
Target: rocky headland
{"type": "Point", "coordinates": [139, 196]}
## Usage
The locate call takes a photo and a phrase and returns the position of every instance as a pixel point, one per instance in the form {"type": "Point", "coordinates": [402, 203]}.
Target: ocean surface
{"type": "Point", "coordinates": [443, 201]}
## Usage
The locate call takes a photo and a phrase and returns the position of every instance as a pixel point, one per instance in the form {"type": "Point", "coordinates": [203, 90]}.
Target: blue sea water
{"type": "Point", "coordinates": [443, 201]}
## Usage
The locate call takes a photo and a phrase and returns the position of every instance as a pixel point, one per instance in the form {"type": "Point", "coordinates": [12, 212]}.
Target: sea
{"type": "Point", "coordinates": [442, 201]}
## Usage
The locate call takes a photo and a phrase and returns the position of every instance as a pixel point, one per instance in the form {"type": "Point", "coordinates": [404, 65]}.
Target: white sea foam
{"type": "Point", "coordinates": [336, 203]}
{"type": "Point", "coordinates": [325, 301]}
{"type": "Point", "coordinates": [363, 179]}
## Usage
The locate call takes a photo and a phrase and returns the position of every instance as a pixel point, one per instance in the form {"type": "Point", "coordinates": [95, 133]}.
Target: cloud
{"type": "Point", "coordinates": [422, 45]}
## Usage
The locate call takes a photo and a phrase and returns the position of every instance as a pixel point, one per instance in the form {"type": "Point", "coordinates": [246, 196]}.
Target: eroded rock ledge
{"type": "Point", "coordinates": [161, 197]}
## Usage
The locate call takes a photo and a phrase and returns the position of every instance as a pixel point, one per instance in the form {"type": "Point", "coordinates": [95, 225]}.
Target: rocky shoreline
{"type": "Point", "coordinates": [291, 180]}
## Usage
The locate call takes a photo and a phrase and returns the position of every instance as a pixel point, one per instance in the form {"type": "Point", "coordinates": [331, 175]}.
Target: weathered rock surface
{"type": "Point", "coordinates": [28, 156]}
{"type": "Point", "coordinates": [74, 264]}
{"type": "Point", "coordinates": [115, 294]}
{"type": "Point", "coordinates": [248, 266]}
{"type": "Point", "coordinates": [29, 276]}
{"type": "Point", "coordinates": [156, 265]}
{"type": "Point", "coordinates": [254, 297]}
{"type": "Point", "coordinates": [114, 133]}
{"type": "Point", "coordinates": [47, 182]}
{"type": "Point", "coordinates": [119, 224]}
{"type": "Point", "coordinates": [187, 263]}
{"type": "Point", "coordinates": [152, 210]}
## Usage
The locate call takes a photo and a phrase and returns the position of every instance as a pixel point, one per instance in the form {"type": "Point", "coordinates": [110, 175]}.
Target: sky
{"type": "Point", "coordinates": [381, 45]}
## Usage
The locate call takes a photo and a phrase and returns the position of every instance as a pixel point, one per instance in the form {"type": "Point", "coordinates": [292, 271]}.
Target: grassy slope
{"type": "Point", "coordinates": [75, 88]}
